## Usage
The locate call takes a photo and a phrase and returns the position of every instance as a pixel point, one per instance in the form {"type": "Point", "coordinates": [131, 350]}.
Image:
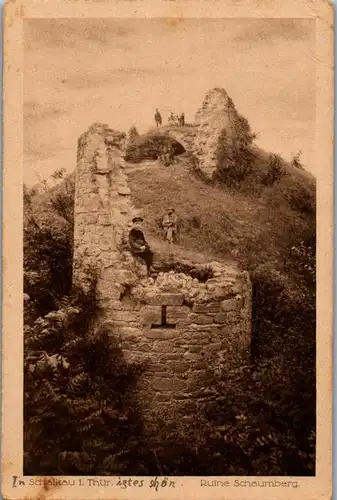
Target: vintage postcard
{"type": "Point", "coordinates": [167, 250]}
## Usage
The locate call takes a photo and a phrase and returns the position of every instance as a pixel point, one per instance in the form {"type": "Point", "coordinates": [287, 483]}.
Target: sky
{"type": "Point", "coordinates": [118, 71]}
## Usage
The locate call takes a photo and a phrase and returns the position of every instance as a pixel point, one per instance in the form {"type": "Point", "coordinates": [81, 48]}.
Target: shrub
{"type": "Point", "coordinates": [275, 171]}
{"type": "Point", "coordinates": [48, 243]}
{"type": "Point", "coordinates": [233, 154]}
{"type": "Point", "coordinates": [301, 199]}
{"type": "Point", "coordinates": [238, 431]}
{"type": "Point", "coordinates": [262, 420]}
{"type": "Point", "coordinates": [79, 410]}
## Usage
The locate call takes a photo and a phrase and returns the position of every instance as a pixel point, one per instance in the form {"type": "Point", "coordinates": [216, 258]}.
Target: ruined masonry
{"type": "Point", "coordinates": [180, 328]}
{"type": "Point", "coordinates": [216, 116]}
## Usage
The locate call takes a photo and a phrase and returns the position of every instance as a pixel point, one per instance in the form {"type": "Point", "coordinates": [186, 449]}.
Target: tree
{"type": "Point", "coordinates": [275, 170]}
{"type": "Point", "coordinates": [233, 153]}
{"type": "Point", "coordinates": [80, 413]}
{"type": "Point", "coordinates": [48, 243]}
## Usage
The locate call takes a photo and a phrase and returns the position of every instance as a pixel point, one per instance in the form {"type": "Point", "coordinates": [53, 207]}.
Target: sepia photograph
{"type": "Point", "coordinates": [170, 179]}
{"type": "Point", "coordinates": [169, 247]}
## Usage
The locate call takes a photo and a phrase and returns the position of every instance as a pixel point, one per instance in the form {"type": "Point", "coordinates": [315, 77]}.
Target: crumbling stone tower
{"type": "Point", "coordinates": [180, 327]}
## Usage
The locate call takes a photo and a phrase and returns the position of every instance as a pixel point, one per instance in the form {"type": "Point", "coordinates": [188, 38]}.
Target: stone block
{"type": "Point", "coordinates": [156, 367]}
{"type": "Point", "coordinates": [179, 341]}
{"type": "Point", "coordinates": [106, 289]}
{"type": "Point", "coordinates": [191, 356]}
{"type": "Point", "coordinates": [129, 344]}
{"type": "Point", "coordinates": [220, 318]}
{"type": "Point", "coordinates": [127, 316]}
{"type": "Point", "coordinates": [210, 308]}
{"type": "Point", "coordinates": [178, 366]}
{"type": "Point", "coordinates": [129, 331]}
{"type": "Point", "coordinates": [231, 304]}
{"type": "Point", "coordinates": [200, 365]}
{"type": "Point", "coordinates": [162, 398]}
{"type": "Point", "coordinates": [125, 276]}
{"type": "Point", "coordinates": [150, 315]}
{"type": "Point", "coordinates": [186, 407]}
{"type": "Point", "coordinates": [165, 299]}
{"type": "Point", "coordinates": [202, 375]}
{"type": "Point", "coordinates": [160, 333]}
{"type": "Point", "coordinates": [178, 315]}
{"type": "Point", "coordinates": [194, 349]}
{"type": "Point", "coordinates": [188, 419]}
{"type": "Point", "coordinates": [201, 319]}
{"type": "Point", "coordinates": [168, 384]}
{"type": "Point", "coordinates": [104, 219]}
{"type": "Point", "coordinates": [89, 218]}
{"type": "Point", "coordinates": [179, 349]}
{"type": "Point", "coordinates": [163, 346]}
{"type": "Point", "coordinates": [212, 281]}
{"type": "Point", "coordinates": [202, 341]}
{"type": "Point", "coordinates": [179, 397]}
{"type": "Point", "coordinates": [195, 385]}
{"type": "Point", "coordinates": [108, 259]}
{"type": "Point", "coordinates": [144, 347]}
{"type": "Point", "coordinates": [124, 190]}
{"type": "Point", "coordinates": [120, 323]}
{"type": "Point", "coordinates": [105, 243]}
{"type": "Point", "coordinates": [124, 208]}
{"type": "Point", "coordinates": [214, 347]}
{"type": "Point", "coordinates": [170, 357]}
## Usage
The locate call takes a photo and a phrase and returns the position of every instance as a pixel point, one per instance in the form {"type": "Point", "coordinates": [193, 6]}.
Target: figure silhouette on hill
{"type": "Point", "coordinates": [157, 118]}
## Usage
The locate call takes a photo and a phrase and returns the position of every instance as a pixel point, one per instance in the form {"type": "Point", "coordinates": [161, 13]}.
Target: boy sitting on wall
{"type": "Point", "coordinates": [138, 244]}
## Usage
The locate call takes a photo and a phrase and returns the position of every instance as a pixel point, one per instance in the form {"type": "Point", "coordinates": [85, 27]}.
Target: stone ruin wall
{"type": "Point", "coordinates": [179, 327]}
{"type": "Point", "coordinates": [216, 115]}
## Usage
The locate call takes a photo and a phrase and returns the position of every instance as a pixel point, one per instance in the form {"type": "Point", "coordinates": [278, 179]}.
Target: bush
{"type": "Point", "coordinates": [262, 420]}
{"type": "Point", "coordinates": [301, 199]}
{"type": "Point", "coordinates": [239, 431]}
{"type": "Point", "coordinates": [79, 410]}
{"type": "Point", "coordinates": [233, 154]}
{"type": "Point", "coordinates": [48, 246]}
{"type": "Point", "coordinates": [275, 171]}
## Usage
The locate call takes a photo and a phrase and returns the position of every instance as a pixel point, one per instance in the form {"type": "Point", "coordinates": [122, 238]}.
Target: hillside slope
{"type": "Point", "coordinates": [223, 223]}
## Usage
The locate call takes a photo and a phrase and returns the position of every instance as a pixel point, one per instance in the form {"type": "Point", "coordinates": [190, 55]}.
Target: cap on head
{"type": "Point", "coordinates": [137, 219]}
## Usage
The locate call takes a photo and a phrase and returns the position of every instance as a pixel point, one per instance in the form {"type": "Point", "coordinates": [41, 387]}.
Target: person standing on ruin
{"type": "Point", "coordinates": [157, 118]}
{"type": "Point", "coordinates": [138, 244]}
{"type": "Point", "coordinates": [182, 120]}
{"type": "Point", "coordinates": [170, 225]}
{"type": "Point", "coordinates": [171, 118]}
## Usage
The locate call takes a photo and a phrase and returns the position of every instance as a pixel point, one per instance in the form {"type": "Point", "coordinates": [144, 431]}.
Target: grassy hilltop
{"type": "Point", "coordinates": [234, 224]}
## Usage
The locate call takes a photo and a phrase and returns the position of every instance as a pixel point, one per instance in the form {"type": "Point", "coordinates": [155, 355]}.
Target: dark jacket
{"type": "Point", "coordinates": [137, 241]}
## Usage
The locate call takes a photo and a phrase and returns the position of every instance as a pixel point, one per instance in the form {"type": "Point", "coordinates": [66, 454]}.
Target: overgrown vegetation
{"type": "Point", "coordinates": [275, 170]}
{"type": "Point", "coordinates": [266, 223]}
{"type": "Point", "coordinates": [48, 243]}
{"type": "Point", "coordinates": [81, 415]}
{"type": "Point", "coordinates": [233, 154]}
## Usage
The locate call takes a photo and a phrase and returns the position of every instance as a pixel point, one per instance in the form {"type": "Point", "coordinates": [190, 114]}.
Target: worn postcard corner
{"type": "Point", "coordinates": [167, 250]}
